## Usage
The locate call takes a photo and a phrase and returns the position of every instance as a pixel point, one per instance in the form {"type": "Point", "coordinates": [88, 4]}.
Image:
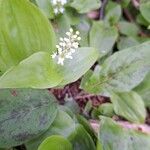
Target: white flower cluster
{"type": "Point", "coordinates": [58, 6]}
{"type": "Point", "coordinates": [67, 46]}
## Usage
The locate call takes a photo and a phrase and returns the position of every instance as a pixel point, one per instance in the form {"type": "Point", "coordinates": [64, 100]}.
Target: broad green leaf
{"type": "Point", "coordinates": [102, 37]}
{"type": "Point", "coordinates": [82, 61]}
{"type": "Point", "coordinates": [114, 137]}
{"type": "Point", "coordinates": [84, 28]}
{"type": "Point", "coordinates": [73, 19]}
{"type": "Point", "coordinates": [41, 71]}
{"type": "Point", "coordinates": [62, 25]}
{"type": "Point", "coordinates": [65, 126]}
{"type": "Point", "coordinates": [106, 109]}
{"type": "Point", "coordinates": [55, 142]}
{"type": "Point", "coordinates": [129, 105]}
{"type": "Point", "coordinates": [24, 30]}
{"type": "Point", "coordinates": [126, 42]}
{"type": "Point", "coordinates": [141, 20]}
{"type": "Point", "coordinates": [87, 108]}
{"type": "Point", "coordinates": [46, 7]}
{"type": "Point", "coordinates": [113, 13]}
{"type": "Point", "coordinates": [144, 90]}
{"type": "Point", "coordinates": [86, 125]}
{"type": "Point", "coordinates": [37, 71]}
{"type": "Point", "coordinates": [99, 146]}
{"type": "Point", "coordinates": [84, 6]}
{"type": "Point", "coordinates": [71, 105]}
{"type": "Point", "coordinates": [145, 9]}
{"type": "Point", "coordinates": [81, 140]}
{"type": "Point", "coordinates": [122, 71]}
{"type": "Point", "coordinates": [24, 114]}
{"type": "Point", "coordinates": [125, 3]}
{"type": "Point", "coordinates": [127, 28]}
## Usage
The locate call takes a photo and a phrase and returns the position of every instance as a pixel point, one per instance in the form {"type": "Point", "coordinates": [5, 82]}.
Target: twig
{"type": "Point", "coordinates": [137, 127]}
{"type": "Point", "coordinates": [102, 9]}
{"type": "Point", "coordinates": [128, 15]}
{"type": "Point", "coordinates": [85, 96]}
{"type": "Point", "coordinates": [126, 12]}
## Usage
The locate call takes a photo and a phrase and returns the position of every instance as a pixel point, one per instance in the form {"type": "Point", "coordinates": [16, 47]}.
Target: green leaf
{"type": "Point", "coordinates": [55, 142]}
{"type": "Point", "coordinates": [122, 71]}
{"type": "Point", "coordinates": [84, 6]}
{"type": "Point", "coordinates": [102, 37]}
{"type": "Point", "coordinates": [99, 146]}
{"type": "Point", "coordinates": [87, 126]}
{"type": "Point", "coordinates": [127, 28]}
{"type": "Point", "coordinates": [24, 31]}
{"type": "Point", "coordinates": [81, 140]}
{"type": "Point", "coordinates": [129, 105]}
{"type": "Point", "coordinates": [106, 109]}
{"type": "Point", "coordinates": [114, 137]}
{"type": "Point", "coordinates": [141, 20]}
{"type": "Point", "coordinates": [73, 19]}
{"type": "Point", "coordinates": [113, 13]}
{"type": "Point", "coordinates": [65, 126]}
{"type": "Point", "coordinates": [24, 114]}
{"type": "Point", "coordinates": [71, 106]}
{"type": "Point", "coordinates": [125, 3]}
{"type": "Point", "coordinates": [63, 25]}
{"type": "Point", "coordinates": [41, 71]}
{"type": "Point", "coordinates": [84, 28]}
{"type": "Point", "coordinates": [144, 90]}
{"type": "Point", "coordinates": [46, 7]}
{"type": "Point", "coordinates": [145, 9]}
{"type": "Point", "coordinates": [126, 42]}
{"type": "Point", "coordinates": [37, 71]}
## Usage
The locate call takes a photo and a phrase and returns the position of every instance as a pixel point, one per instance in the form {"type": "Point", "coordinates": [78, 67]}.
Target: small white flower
{"type": "Point", "coordinates": [60, 51]}
{"type": "Point", "coordinates": [57, 46]}
{"type": "Point", "coordinates": [75, 45]}
{"type": "Point", "coordinates": [61, 10]}
{"type": "Point", "coordinates": [72, 50]}
{"type": "Point", "coordinates": [54, 55]}
{"type": "Point", "coordinates": [68, 55]}
{"type": "Point", "coordinates": [71, 30]}
{"type": "Point", "coordinates": [67, 46]}
{"type": "Point", "coordinates": [55, 10]}
{"type": "Point", "coordinates": [60, 61]}
{"type": "Point", "coordinates": [77, 32]}
{"type": "Point", "coordinates": [66, 39]}
{"type": "Point", "coordinates": [58, 6]}
{"type": "Point", "coordinates": [63, 2]}
{"type": "Point", "coordinates": [79, 38]}
{"type": "Point", "coordinates": [75, 36]}
{"type": "Point", "coordinates": [61, 39]}
{"type": "Point", "coordinates": [68, 33]}
{"type": "Point", "coordinates": [54, 2]}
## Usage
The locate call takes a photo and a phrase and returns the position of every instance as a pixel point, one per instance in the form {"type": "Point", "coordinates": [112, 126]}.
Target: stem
{"type": "Point", "coordinates": [102, 9]}
{"type": "Point", "coordinates": [137, 127]}
{"type": "Point", "coordinates": [128, 15]}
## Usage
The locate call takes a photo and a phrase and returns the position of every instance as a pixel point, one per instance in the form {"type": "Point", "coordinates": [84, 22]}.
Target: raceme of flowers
{"type": "Point", "coordinates": [58, 6]}
{"type": "Point", "coordinates": [67, 46]}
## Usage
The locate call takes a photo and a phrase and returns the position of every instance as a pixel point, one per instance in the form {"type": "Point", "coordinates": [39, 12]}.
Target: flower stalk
{"type": "Point", "coordinates": [67, 46]}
